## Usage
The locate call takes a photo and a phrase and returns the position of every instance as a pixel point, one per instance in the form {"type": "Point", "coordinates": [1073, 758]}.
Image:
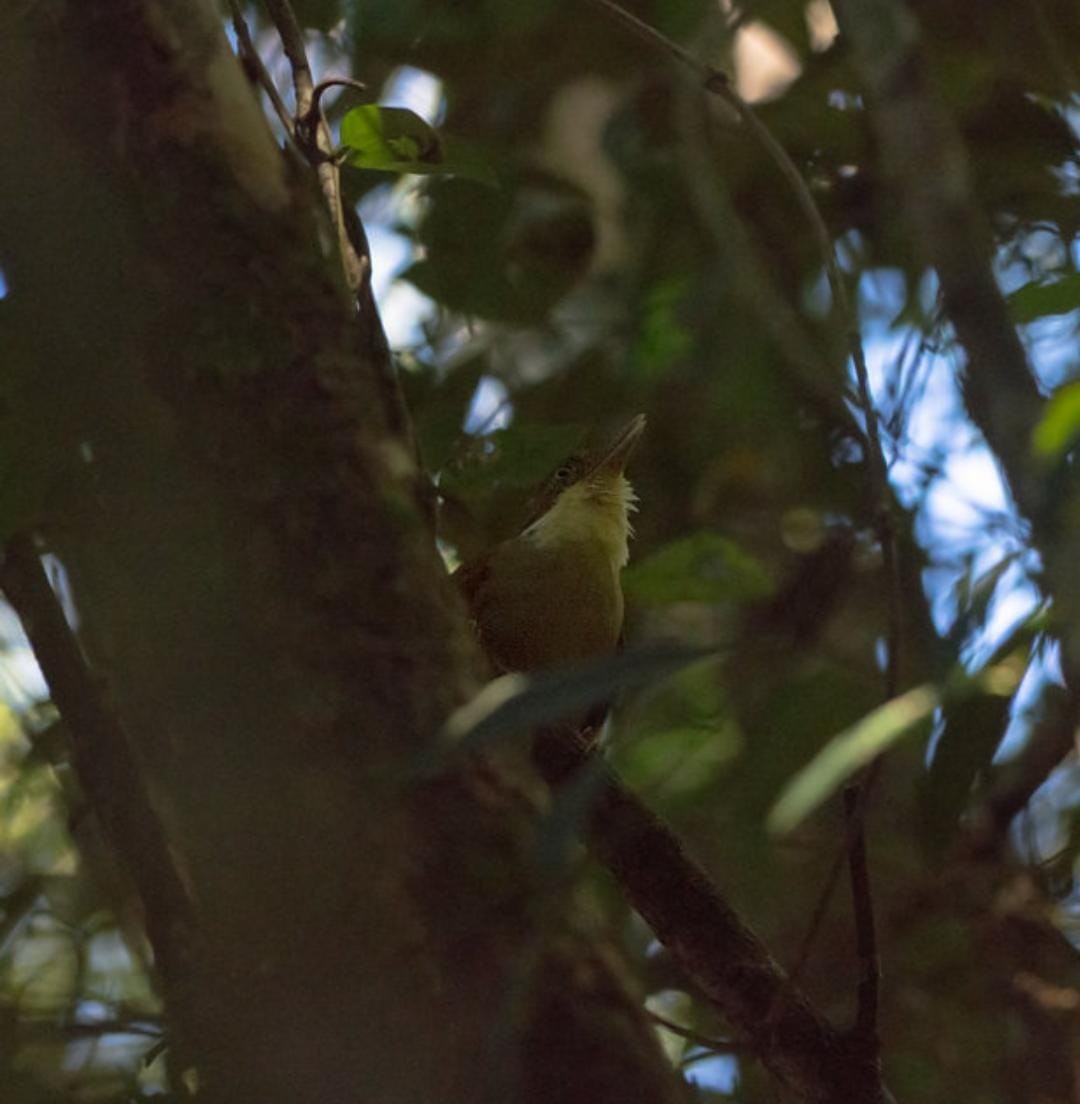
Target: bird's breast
{"type": "Point", "coordinates": [541, 606]}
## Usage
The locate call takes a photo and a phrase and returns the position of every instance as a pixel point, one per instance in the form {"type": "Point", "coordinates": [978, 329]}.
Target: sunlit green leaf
{"type": "Point", "coordinates": [1041, 300]}
{"type": "Point", "coordinates": [395, 139]}
{"type": "Point", "coordinates": [1059, 425]}
{"type": "Point", "coordinates": [848, 752]}
{"type": "Point", "coordinates": [856, 747]}
{"type": "Point", "coordinates": [681, 761]}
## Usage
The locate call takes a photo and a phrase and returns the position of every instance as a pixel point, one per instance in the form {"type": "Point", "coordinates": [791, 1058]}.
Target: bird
{"type": "Point", "coordinates": [552, 594]}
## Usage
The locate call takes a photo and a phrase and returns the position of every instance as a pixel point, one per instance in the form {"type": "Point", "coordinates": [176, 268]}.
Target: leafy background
{"type": "Point", "coordinates": [589, 238]}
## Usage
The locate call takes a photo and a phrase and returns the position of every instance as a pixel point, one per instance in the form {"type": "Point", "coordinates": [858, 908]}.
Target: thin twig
{"type": "Point", "coordinates": [255, 62]}
{"type": "Point", "coordinates": [869, 984]}
{"type": "Point", "coordinates": [817, 917]}
{"type": "Point", "coordinates": [49, 1030]}
{"type": "Point", "coordinates": [332, 82]}
{"type": "Point", "coordinates": [717, 1046]}
{"type": "Point", "coordinates": [717, 83]}
{"type": "Point", "coordinates": [316, 143]}
{"type": "Point", "coordinates": [313, 136]}
{"type": "Point", "coordinates": [292, 42]}
{"type": "Point", "coordinates": [654, 37]}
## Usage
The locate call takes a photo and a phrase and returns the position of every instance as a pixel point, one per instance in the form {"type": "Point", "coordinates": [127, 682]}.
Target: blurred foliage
{"type": "Point", "coordinates": [640, 252]}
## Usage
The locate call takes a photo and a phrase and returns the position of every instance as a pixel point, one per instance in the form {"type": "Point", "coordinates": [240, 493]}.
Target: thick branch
{"type": "Point", "coordinates": [731, 967]}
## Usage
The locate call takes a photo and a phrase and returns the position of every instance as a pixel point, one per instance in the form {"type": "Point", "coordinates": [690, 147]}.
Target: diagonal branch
{"type": "Point", "coordinates": [103, 755]}
{"type": "Point", "coordinates": [728, 963]}
{"type": "Point", "coordinates": [313, 135]}
{"type": "Point", "coordinates": [251, 58]}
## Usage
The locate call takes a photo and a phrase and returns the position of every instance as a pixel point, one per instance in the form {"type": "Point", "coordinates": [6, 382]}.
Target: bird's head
{"type": "Point", "coordinates": [588, 499]}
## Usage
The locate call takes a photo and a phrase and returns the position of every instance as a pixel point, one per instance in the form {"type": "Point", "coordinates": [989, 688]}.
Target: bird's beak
{"type": "Point", "coordinates": [613, 460]}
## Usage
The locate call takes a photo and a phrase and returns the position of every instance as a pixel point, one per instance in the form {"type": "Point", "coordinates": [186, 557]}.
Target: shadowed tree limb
{"type": "Point", "coordinates": [104, 756]}
{"type": "Point", "coordinates": [726, 961]}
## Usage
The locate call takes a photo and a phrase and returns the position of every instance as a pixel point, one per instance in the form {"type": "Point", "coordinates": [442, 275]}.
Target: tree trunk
{"type": "Point", "coordinates": [194, 417]}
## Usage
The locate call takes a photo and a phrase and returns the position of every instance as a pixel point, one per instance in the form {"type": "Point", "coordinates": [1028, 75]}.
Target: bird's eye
{"type": "Point", "coordinates": [568, 473]}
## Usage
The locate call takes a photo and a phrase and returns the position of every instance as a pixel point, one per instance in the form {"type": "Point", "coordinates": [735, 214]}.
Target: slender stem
{"type": "Point", "coordinates": [869, 984]}
{"type": "Point", "coordinates": [717, 83]}
{"type": "Point", "coordinates": [251, 56]}
{"type": "Point", "coordinates": [314, 137]}
{"type": "Point", "coordinates": [718, 1046]}
{"type": "Point", "coordinates": [333, 82]}
{"type": "Point", "coordinates": [817, 917]}
{"type": "Point", "coordinates": [292, 42]}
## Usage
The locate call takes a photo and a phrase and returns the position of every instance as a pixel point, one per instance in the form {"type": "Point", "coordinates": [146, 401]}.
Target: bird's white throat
{"type": "Point", "coordinates": [588, 512]}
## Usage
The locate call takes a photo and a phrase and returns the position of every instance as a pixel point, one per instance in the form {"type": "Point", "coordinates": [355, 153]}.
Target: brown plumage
{"type": "Point", "coordinates": [552, 594]}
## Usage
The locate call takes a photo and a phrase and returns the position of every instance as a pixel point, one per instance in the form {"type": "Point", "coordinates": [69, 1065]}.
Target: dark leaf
{"type": "Point", "coordinates": [516, 704]}
{"type": "Point", "coordinates": [704, 567]}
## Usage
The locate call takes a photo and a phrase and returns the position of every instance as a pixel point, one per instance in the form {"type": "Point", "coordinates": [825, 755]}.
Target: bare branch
{"type": "Point", "coordinates": [730, 966]}
{"type": "Point", "coordinates": [313, 136]}
{"type": "Point", "coordinates": [252, 59]}
{"type": "Point", "coordinates": [869, 984]}
{"type": "Point", "coordinates": [716, 82]}
{"type": "Point", "coordinates": [103, 754]}
{"type": "Point", "coordinates": [717, 1046]}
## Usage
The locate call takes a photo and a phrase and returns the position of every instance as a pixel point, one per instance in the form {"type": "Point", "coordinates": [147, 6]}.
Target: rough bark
{"type": "Point", "coordinates": [188, 392]}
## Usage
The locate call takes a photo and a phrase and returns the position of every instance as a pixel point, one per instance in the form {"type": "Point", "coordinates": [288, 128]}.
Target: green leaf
{"type": "Point", "coordinates": [1059, 425]}
{"type": "Point", "coordinates": [1039, 300]}
{"type": "Point", "coordinates": [519, 456]}
{"type": "Point", "coordinates": [664, 337]}
{"type": "Point", "coordinates": [850, 751]}
{"type": "Point", "coordinates": [682, 762]}
{"type": "Point", "coordinates": [704, 567]}
{"type": "Point", "coordinates": [395, 139]}
{"type": "Point", "coordinates": [516, 704]}
{"type": "Point", "coordinates": [509, 255]}
{"type": "Point", "coordinates": [440, 415]}
{"type": "Point", "coordinates": [856, 747]}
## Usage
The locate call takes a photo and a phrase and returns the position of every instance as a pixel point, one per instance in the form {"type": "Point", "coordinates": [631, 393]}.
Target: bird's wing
{"type": "Point", "coordinates": [472, 580]}
{"type": "Point", "coordinates": [469, 578]}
